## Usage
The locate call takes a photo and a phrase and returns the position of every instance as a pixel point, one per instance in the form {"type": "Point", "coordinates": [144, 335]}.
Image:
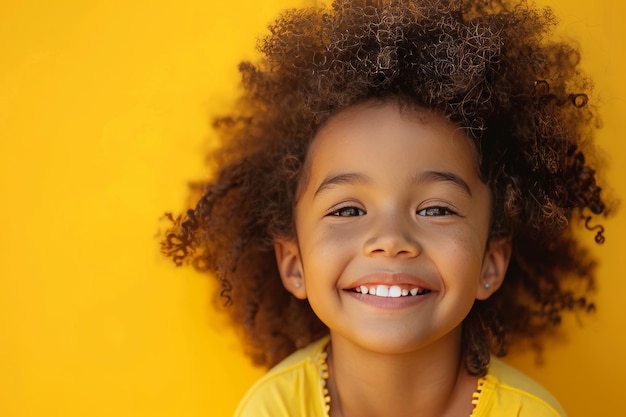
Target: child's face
{"type": "Point", "coordinates": [393, 205]}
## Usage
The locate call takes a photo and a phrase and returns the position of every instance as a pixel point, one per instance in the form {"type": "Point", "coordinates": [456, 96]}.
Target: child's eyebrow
{"type": "Point", "coordinates": [434, 176]}
{"type": "Point", "coordinates": [419, 178]}
{"type": "Point", "coordinates": [345, 178]}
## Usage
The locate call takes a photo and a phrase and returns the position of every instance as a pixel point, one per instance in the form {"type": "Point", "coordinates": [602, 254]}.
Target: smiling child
{"type": "Point", "coordinates": [392, 208]}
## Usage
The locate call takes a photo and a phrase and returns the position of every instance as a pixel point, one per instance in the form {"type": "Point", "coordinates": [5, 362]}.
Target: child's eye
{"type": "Point", "coordinates": [435, 211]}
{"type": "Point", "coordinates": [347, 212]}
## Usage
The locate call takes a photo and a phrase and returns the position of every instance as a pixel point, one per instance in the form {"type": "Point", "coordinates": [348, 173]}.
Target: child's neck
{"type": "Point", "coordinates": [427, 383]}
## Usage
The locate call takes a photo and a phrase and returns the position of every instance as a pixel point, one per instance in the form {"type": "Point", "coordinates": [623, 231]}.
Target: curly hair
{"type": "Point", "coordinates": [486, 65]}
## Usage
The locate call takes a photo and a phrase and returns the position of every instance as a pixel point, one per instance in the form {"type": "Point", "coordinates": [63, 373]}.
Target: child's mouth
{"type": "Point", "coordinates": [392, 291]}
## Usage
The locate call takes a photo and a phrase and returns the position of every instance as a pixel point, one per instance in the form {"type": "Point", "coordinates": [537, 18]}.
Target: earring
{"type": "Point", "coordinates": [297, 285]}
{"type": "Point", "coordinates": [487, 285]}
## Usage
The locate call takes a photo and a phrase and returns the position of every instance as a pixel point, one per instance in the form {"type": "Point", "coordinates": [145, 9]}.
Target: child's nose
{"type": "Point", "coordinates": [391, 238]}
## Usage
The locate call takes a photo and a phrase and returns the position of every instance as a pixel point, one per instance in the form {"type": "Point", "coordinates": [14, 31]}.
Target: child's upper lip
{"type": "Point", "coordinates": [400, 279]}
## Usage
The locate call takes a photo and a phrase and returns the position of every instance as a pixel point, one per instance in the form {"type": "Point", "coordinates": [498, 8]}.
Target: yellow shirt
{"type": "Point", "coordinates": [296, 387]}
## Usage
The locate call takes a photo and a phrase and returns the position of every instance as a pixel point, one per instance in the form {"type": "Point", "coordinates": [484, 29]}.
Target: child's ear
{"type": "Point", "coordinates": [290, 267]}
{"type": "Point", "coordinates": [495, 264]}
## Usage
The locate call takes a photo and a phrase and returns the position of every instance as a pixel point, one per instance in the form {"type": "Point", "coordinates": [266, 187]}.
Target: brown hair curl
{"type": "Point", "coordinates": [484, 64]}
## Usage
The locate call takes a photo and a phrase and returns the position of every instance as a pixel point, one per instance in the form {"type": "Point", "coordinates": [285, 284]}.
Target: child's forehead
{"type": "Point", "coordinates": [384, 119]}
{"type": "Point", "coordinates": [392, 130]}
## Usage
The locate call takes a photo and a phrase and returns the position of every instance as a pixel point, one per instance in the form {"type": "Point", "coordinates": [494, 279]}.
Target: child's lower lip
{"type": "Point", "coordinates": [390, 303]}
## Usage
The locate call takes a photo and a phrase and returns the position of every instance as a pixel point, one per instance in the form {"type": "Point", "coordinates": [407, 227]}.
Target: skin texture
{"type": "Point", "coordinates": [393, 197]}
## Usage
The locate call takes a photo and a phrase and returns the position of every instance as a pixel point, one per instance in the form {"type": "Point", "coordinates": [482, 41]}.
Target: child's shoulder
{"type": "Point", "coordinates": [293, 387]}
{"type": "Point", "coordinates": [505, 389]}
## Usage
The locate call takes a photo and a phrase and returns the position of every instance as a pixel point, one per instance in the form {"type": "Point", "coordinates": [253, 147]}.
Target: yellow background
{"type": "Point", "coordinates": [104, 110]}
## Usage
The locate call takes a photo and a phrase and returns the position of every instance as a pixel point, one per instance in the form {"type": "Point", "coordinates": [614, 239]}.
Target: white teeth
{"type": "Point", "coordinates": [382, 291]}
{"type": "Point", "coordinates": [393, 291]}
